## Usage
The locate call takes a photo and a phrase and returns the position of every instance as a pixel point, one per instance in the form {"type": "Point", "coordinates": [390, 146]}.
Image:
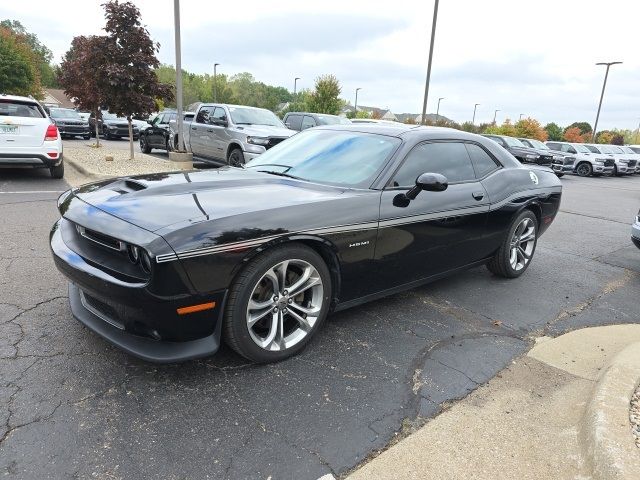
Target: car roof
{"type": "Point", "coordinates": [4, 96]}
{"type": "Point", "coordinates": [403, 130]}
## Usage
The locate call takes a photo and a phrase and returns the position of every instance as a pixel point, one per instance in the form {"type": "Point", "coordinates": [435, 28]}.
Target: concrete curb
{"type": "Point", "coordinates": [80, 169]}
{"type": "Point", "coordinates": [606, 431]}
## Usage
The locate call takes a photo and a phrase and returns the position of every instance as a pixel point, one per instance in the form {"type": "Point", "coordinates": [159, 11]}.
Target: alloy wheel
{"type": "Point", "coordinates": [522, 244]}
{"type": "Point", "coordinates": [583, 170]}
{"type": "Point", "coordinates": [284, 305]}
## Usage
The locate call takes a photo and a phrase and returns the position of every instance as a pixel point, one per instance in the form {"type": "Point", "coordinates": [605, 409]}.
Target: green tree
{"type": "Point", "coordinates": [507, 128]}
{"type": "Point", "coordinates": [324, 99]}
{"type": "Point", "coordinates": [131, 86]}
{"type": "Point", "coordinates": [584, 127]}
{"type": "Point", "coordinates": [554, 131]}
{"type": "Point", "coordinates": [43, 56]}
{"type": "Point", "coordinates": [19, 74]}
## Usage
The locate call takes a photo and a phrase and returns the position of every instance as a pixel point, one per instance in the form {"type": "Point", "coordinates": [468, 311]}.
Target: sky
{"type": "Point", "coordinates": [520, 57]}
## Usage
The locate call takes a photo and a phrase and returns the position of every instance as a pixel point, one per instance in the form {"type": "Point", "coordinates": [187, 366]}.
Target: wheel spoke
{"type": "Point", "coordinates": [263, 309]}
{"type": "Point", "coordinates": [313, 310]}
{"type": "Point", "coordinates": [273, 331]}
{"type": "Point", "coordinates": [310, 282]}
{"type": "Point", "coordinates": [304, 322]}
{"type": "Point", "coordinates": [306, 273]}
{"type": "Point", "coordinates": [272, 276]}
{"type": "Point", "coordinates": [281, 273]}
{"type": "Point", "coordinates": [523, 253]}
{"type": "Point", "coordinates": [513, 258]}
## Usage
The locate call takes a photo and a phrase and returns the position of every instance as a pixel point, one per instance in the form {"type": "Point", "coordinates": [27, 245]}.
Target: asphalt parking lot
{"type": "Point", "coordinates": [72, 406]}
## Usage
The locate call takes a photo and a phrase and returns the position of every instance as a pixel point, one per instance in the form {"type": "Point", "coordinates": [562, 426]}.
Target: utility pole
{"type": "Point", "coordinates": [355, 105]}
{"type": "Point", "coordinates": [438, 109]}
{"type": "Point", "coordinates": [433, 37]}
{"type": "Point", "coordinates": [295, 88]}
{"type": "Point", "coordinates": [604, 85]}
{"type": "Point", "coordinates": [494, 116]}
{"type": "Point", "coordinates": [215, 83]}
{"type": "Point", "coordinates": [521, 116]}
{"type": "Point", "coordinates": [179, 108]}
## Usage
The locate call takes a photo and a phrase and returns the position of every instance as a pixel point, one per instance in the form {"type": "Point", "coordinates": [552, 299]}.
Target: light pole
{"type": "Point", "coordinates": [604, 84]}
{"type": "Point", "coordinates": [473, 121]}
{"type": "Point", "coordinates": [438, 109]}
{"type": "Point", "coordinates": [295, 87]}
{"type": "Point", "coordinates": [176, 20]}
{"type": "Point", "coordinates": [521, 116]}
{"type": "Point", "coordinates": [215, 83]}
{"type": "Point", "coordinates": [433, 37]}
{"type": "Point", "coordinates": [494, 116]}
{"type": "Point", "coordinates": [355, 105]}
{"type": "Point", "coordinates": [638, 132]}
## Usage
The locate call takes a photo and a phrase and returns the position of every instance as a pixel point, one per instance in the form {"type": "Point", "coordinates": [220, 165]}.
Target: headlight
{"type": "Point", "coordinates": [134, 253]}
{"type": "Point", "coordinates": [531, 157]}
{"type": "Point", "coordinates": [258, 141]}
{"type": "Point", "coordinates": [599, 161]}
{"type": "Point", "coordinates": [145, 261]}
{"type": "Point", "coordinates": [557, 157]}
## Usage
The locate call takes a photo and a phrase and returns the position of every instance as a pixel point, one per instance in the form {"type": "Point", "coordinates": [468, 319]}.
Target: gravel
{"type": "Point", "coordinates": [634, 415]}
{"type": "Point", "coordinates": [93, 161]}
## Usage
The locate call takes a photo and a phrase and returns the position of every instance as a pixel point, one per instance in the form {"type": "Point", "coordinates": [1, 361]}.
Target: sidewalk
{"type": "Point", "coordinates": [560, 412]}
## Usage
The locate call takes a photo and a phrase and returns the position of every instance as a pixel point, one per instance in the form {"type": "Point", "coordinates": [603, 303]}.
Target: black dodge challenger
{"type": "Point", "coordinates": [166, 265]}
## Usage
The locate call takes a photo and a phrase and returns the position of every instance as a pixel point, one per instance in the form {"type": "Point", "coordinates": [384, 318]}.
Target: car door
{"type": "Point", "coordinates": [199, 136]}
{"type": "Point", "coordinates": [437, 231]}
{"type": "Point", "coordinates": [293, 121]}
{"type": "Point", "coordinates": [154, 132]}
{"type": "Point", "coordinates": [308, 122]}
{"type": "Point", "coordinates": [219, 133]}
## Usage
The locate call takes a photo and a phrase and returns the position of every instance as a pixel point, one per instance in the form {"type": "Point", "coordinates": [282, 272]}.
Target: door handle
{"type": "Point", "coordinates": [478, 195]}
{"type": "Point", "coordinates": [193, 128]}
{"type": "Point", "coordinates": [210, 130]}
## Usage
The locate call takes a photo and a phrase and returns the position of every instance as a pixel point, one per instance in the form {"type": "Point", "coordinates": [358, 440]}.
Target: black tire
{"type": "Point", "coordinates": [87, 137]}
{"type": "Point", "coordinates": [144, 146]}
{"type": "Point", "coordinates": [500, 264]}
{"type": "Point", "coordinates": [559, 174]}
{"type": "Point", "coordinates": [236, 158]}
{"type": "Point", "coordinates": [615, 171]}
{"type": "Point", "coordinates": [584, 169]}
{"type": "Point", "coordinates": [106, 134]}
{"type": "Point", "coordinates": [135, 138]}
{"type": "Point", "coordinates": [57, 172]}
{"type": "Point", "coordinates": [235, 329]}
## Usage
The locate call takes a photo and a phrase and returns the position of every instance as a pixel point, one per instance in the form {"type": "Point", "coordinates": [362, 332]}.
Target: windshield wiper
{"type": "Point", "coordinates": [243, 123]}
{"type": "Point", "coordinates": [281, 174]}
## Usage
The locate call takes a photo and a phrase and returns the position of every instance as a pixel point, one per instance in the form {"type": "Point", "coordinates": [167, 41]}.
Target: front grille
{"type": "Point", "coordinates": [101, 238]}
{"type": "Point", "coordinates": [609, 162]}
{"type": "Point", "coordinates": [569, 161]}
{"type": "Point", "coordinates": [102, 310]}
{"type": "Point", "coordinates": [632, 163]}
{"type": "Point", "coordinates": [273, 141]}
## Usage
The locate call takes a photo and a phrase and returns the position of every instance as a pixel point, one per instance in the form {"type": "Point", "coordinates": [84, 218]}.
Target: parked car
{"type": "Point", "coordinates": [84, 115]}
{"type": "Point", "coordinates": [623, 165]}
{"type": "Point", "coordinates": [111, 126]}
{"type": "Point", "coordinates": [523, 153]}
{"type": "Point", "coordinates": [157, 133]}
{"type": "Point", "coordinates": [561, 163]}
{"type": "Point", "coordinates": [232, 134]}
{"type": "Point", "coordinates": [587, 162]}
{"type": "Point", "coordinates": [165, 266]}
{"type": "Point", "coordinates": [302, 120]}
{"type": "Point", "coordinates": [635, 231]}
{"type": "Point", "coordinates": [28, 137]}
{"type": "Point", "coordinates": [633, 154]}
{"type": "Point", "coordinates": [69, 123]}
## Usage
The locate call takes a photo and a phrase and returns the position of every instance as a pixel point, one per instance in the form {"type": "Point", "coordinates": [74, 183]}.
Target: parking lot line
{"type": "Point", "coordinates": [31, 192]}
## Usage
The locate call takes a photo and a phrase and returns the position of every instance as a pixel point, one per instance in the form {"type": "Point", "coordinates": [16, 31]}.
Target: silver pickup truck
{"type": "Point", "coordinates": [232, 134]}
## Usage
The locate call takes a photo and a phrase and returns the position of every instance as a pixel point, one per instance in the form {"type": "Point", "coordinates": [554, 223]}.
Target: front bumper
{"type": "Point", "coordinates": [599, 168]}
{"type": "Point", "coordinates": [558, 168]}
{"type": "Point", "coordinates": [72, 130]}
{"type": "Point", "coordinates": [132, 315]}
{"type": "Point", "coordinates": [635, 232]}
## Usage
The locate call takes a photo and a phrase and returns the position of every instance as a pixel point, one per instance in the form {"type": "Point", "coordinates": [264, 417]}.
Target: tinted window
{"type": "Point", "coordinates": [63, 113]}
{"type": "Point", "coordinates": [159, 119]}
{"type": "Point", "coordinates": [294, 121]}
{"type": "Point", "coordinates": [220, 114]}
{"type": "Point", "coordinates": [308, 122]}
{"type": "Point", "coordinates": [334, 157]}
{"type": "Point", "coordinates": [168, 117]}
{"type": "Point", "coordinates": [448, 158]}
{"type": "Point", "coordinates": [254, 116]}
{"type": "Point", "coordinates": [13, 108]}
{"type": "Point", "coordinates": [498, 140]}
{"type": "Point", "coordinates": [553, 146]}
{"type": "Point", "coordinates": [204, 115]}
{"type": "Point", "coordinates": [482, 162]}
{"type": "Point", "coordinates": [593, 149]}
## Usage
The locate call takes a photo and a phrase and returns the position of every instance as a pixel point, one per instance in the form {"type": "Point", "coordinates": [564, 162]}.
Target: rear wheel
{"type": "Point", "coordinates": [144, 146]}
{"type": "Point", "coordinates": [584, 169]}
{"type": "Point", "coordinates": [277, 304]}
{"type": "Point", "coordinates": [236, 158]}
{"type": "Point", "coordinates": [87, 136]}
{"type": "Point", "coordinates": [57, 172]}
{"type": "Point", "coordinates": [515, 254]}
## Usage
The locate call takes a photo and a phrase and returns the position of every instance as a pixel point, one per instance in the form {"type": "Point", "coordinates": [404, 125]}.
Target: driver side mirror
{"type": "Point", "coordinates": [429, 182]}
{"type": "Point", "coordinates": [220, 123]}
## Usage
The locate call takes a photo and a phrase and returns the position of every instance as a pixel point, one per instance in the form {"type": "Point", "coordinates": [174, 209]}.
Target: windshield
{"type": "Point", "coordinates": [537, 144]}
{"type": "Point", "coordinates": [513, 142]}
{"type": "Point", "coordinates": [581, 149]}
{"type": "Point", "coordinates": [332, 120]}
{"type": "Point", "coordinates": [627, 150]}
{"type": "Point", "coordinates": [254, 116]}
{"type": "Point", "coordinates": [615, 150]}
{"type": "Point", "coordinates": [63, 113]}
{"type": "Point", "coordinates": [592, 149]}
{"type": "Point", "coordinates": [351, 159]}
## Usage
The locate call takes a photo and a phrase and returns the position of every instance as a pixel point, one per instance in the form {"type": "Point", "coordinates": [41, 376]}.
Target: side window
{"type": "Point", "coordinates": [295, 122]}
{"type": "Point", "coordinates": [168, 117]}
{"type": "Point", "coordinates": [308, 122]}
{"type": "Point", "coordinates": [160, 119]}
{"type": "Point", "coordinates": [447, 158]}
{"type": "Point", "coordinates": [204, 114]}
{"type": "Point", "coordinates": [553, 146]}
{"type": "Point", "coordinates": [220, 114]}
{"type": "Point", "coordinates": [481, 160]}
{"type": "Point", "coordinates": [571, 149]}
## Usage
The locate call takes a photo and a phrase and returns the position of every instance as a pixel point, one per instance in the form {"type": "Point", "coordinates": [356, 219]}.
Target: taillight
{"type": "Point", "coordinates": [52, 133]}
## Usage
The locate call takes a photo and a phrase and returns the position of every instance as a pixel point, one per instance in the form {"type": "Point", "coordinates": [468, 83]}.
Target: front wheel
{"type": "Point", "coordinates": [236, 158]}
{"type": "Point", "coordinates": [144, 146]}
{"type": "Point", "coordinates": [515, 254]}
{"type": "Point", "coordinates": [559, 174]}
{"type": "Point", "coordinates": [584, 169]}
{"type": "Point", "coordinates": [277, 304]}
{"type": "Point", "coordinates": [87, 136]}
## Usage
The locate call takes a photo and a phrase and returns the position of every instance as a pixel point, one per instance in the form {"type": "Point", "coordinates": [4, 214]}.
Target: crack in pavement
{"type": "Point", "coordinates": [595, 217]}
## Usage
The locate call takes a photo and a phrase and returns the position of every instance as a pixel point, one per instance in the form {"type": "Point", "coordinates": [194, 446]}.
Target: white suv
{"type": "Point", "coordinates": [28, 137]}
{"type": "Point", "coordinates": [587, 162]}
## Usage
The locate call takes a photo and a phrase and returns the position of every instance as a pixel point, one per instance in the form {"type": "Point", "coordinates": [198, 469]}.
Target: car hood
{"type": "Point", "coordinates": [265, 131]}
{"type": "Point", "coordinates": [523, 150]}
{"type": "Point", "coordinates": [159, 200]}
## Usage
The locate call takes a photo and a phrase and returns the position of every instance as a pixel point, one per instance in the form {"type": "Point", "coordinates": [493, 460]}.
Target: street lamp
{"type": "Point", "coordinates": [215, 83]}
{"type": "Point", "coordinates": [604, 84]}
{"type": "Point", "coordinates": [473, 121]}
{"type": "Point", "coordinates": [355, 105]}
{"type": "Point", "coordinates": [295, 87]}
{"type": "Point", "coordinates": [433, 37]}
{"type": "Point", "coordinates": [438, 109]}
{"type": "Point", "coordinates": [176, 20]}
{"type": "Point", "coordinates": [521, 116]}
{"type": "Point", "coordinates": [494, 116]}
